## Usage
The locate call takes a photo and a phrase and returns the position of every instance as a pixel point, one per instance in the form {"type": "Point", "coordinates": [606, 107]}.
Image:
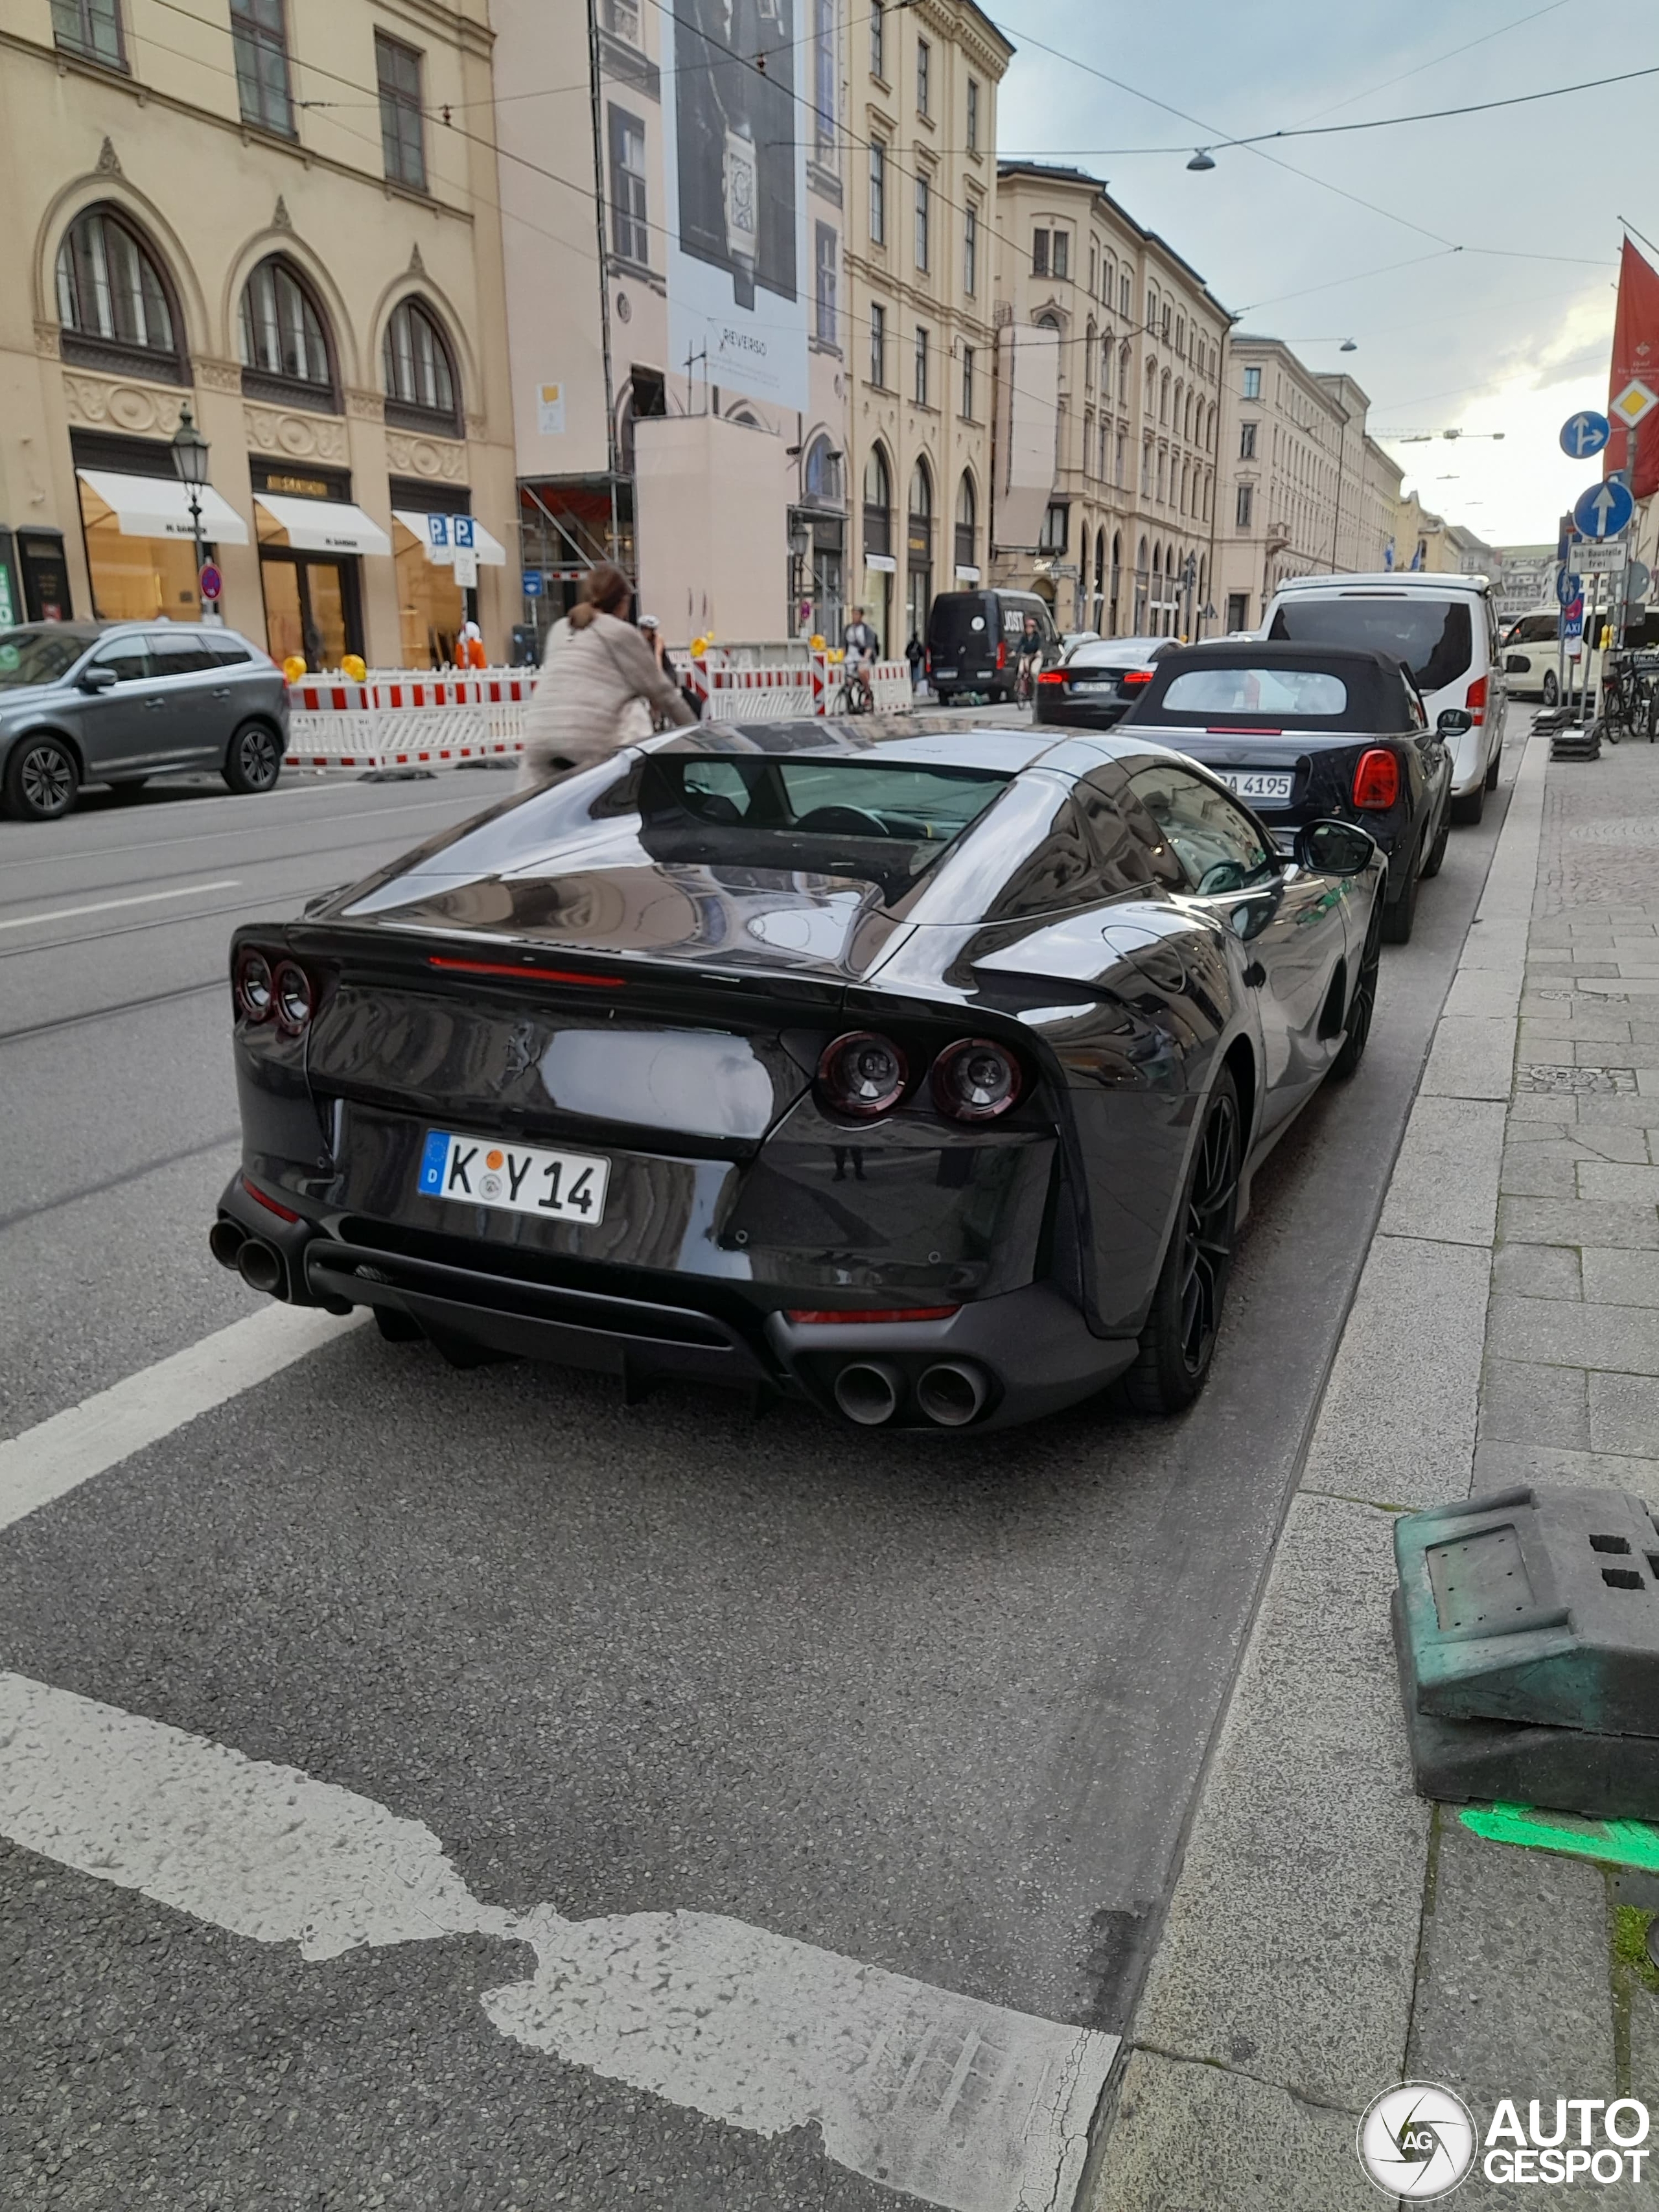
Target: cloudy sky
{"type": "Point", "coordinates": [1513, 333]}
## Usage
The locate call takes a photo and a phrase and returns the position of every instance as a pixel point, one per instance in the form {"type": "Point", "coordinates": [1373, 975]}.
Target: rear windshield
{"type": "Point", "coordinates": [886, 823]}
{"type": "Point", "coordinates": [1117, 653]}
{"type": "Point", "coordinates": [1433, 637]}
{"type": "Point", "coordinates": [961, 618]}
{"type": "Point", "coordinates": [38, 656]}
{"type": "Point", "coordinates": [1304, 691]}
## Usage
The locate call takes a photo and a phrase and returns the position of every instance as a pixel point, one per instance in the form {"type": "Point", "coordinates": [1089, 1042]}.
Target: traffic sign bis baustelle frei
{"type": "Point", "coordinates": [1604, 510]}
{"type": "Point", "coordinates": [1584, 433]}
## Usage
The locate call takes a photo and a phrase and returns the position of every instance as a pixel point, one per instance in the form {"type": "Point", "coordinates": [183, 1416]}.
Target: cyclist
{"type": "Point", "coordinates": [861, 646]}
{"type": "Point", "coordinates": [1030, 654]}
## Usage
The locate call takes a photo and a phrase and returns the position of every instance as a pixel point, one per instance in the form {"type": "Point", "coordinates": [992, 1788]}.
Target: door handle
{"type": "Point", "coordinates": [223, 694]}
{"type": "Point", "coordinates": [149, 703]}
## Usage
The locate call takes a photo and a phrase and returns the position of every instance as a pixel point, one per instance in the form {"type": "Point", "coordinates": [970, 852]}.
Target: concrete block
{"type": "Point", "coordinates": [1624, 1412]}
{"type": "Point", "coordinates": [1187, 2138]}
{"type": "Point", "coordinates": [1473, 1057]}
{"type": "Point", "coordinates": [1292, 1932]}
{"type": "Point", "coordinates": [1577, 1221]}
{"type": "Point", "coordinates": [1537, 1271]}
{"type": "Point", "coordinates": [1552, 1332]}
{"type": "Point", "coordinates": [1522, 1404]}
{"type": "Point", "coordinates": [1444, 1184]}
{"type": "Point", "coordinates": [1621, 1278]}
{"type": "Point", "coordinates": [1414, 1337]}
{"type": "Point", "coordinates": [1514, 1994]}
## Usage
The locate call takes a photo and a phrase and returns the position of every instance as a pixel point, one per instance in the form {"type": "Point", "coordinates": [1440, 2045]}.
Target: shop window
{"type": "Point", "coordinates": [284, 340]}
{"type": "Point", "coordinates": [136, 578]}
{"type": "Point", "coordinates": [419, 371]}
{"type": "Point", "coordinates": [113, 300]}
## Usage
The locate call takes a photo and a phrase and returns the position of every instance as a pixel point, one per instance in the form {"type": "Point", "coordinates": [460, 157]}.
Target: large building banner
{"type": "Point", "coordinates": [735, 173]}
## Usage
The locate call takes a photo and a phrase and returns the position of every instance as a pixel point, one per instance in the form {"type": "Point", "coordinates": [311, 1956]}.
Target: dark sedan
{"type": "Point", "coordinates": [1098, 682]}
{"type": "Point", "coordinates": [1305, 734]}
{"type": "Point", "coordinates": [921, 1077]}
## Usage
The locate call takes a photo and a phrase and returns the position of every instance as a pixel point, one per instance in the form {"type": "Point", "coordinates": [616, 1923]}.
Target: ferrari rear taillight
{"type": "Point", "coordinates": [862, 1074]}
{"type": "Point", "coordinates": [1476, 702]}
{"type": "Point", "coordinates": [293, 997]}
{"type": "Point", "coordinates": [255, 1000]}
{"type": "Point", "coordinates": [975, 1080]}
{"type": "Point", "coordinates": [1376, 780]}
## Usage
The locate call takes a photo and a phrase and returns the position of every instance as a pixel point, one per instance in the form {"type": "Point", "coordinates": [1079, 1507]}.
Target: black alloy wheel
{"type": "Point", "coordinates": [1470, 807]}
{"type": "Point", "coordinates": [1362, 1006]}
{"type": "Point", "coordinates": [1178, 1342]}
{"type": "Point", "coordinates": [1438, 850]}
{"type": "Point", "coordinates": [1494, 764]}
{"type": "Point", "coordinates": [254, 761]}
{"type": "Point", "coordinates": [42, 779]}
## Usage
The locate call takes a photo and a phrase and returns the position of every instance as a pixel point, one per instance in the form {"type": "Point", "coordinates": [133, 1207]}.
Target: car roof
{"type": "Point", "coordinates": [1394, 580]}
{"type": "Point", "coordinates": [86, 631]}
{"type": "Point", "coordinates": [1276, 653]}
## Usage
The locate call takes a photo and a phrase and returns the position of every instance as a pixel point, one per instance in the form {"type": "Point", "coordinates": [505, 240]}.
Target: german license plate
{"type": "Point", "coordinates": [944, 672]}
{"type": "Point", "coordinates": [516, 1178]}
{"type": "Point", "coordinates": [1092, 691]}
{"type": "Point", "coordinates": [1270, 787]}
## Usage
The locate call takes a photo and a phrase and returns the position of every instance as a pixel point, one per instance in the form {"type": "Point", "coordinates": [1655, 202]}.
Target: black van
{"type": "Point", "coordinates": [974, 640]}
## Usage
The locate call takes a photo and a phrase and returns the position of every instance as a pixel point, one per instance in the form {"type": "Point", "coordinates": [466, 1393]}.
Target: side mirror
{"type": "Point", "coordinates": [1452, 721]}
{"type": "Point", "coordinates": [1335, 849]}
{"type": "Point", "coordinates": [96, 679]}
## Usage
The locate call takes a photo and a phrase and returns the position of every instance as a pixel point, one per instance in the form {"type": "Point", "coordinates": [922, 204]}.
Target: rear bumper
{"type": "Point", "coordinates": [1032, 1348]}
{"type": "Point", "coordinates": [1075, 715]}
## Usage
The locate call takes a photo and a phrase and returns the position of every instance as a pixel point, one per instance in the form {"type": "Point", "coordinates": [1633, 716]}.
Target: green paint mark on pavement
{"type": "Point", "coordinates": [1620, 1843]}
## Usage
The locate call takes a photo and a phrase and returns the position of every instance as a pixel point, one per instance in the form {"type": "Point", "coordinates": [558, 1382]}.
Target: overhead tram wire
{"type": "Point", "coordinates": [1435, 60]}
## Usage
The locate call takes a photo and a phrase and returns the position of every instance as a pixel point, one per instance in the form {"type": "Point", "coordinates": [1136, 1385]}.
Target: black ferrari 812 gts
{"type": "Point", "coordinates": [922, 1076]}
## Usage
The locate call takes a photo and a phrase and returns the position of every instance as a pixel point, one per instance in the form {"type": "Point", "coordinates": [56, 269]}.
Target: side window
{"type": "Point", "coordinates": [1059, 873]}
{"type": "Point", "coordinates": [127, 657]}
{"type": "Point", "coordinates": [1131, 851]}
{"type": "Point", "coordinates": [175, 653]}
{"type": "Point", "coordinates": [1217, 843]}
{"type": "Point", "coordinates": [225, 650]}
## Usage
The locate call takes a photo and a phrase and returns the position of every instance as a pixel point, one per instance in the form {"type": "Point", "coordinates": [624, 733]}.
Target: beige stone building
{"type": "Point", "coordinates": [920, 134]}
{"type": "Point", "coordinates": [1309, 491]}
{"type": "Point", "coordinates": [245, 208]}
{"type": "Point", "coordinates": [1123, 541]}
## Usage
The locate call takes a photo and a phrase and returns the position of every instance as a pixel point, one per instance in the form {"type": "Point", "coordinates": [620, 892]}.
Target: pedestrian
{"type": "Point", "coordinates": [916, 652]}
{"type": "Point", "coordinates": [600, 682]}
{"type": "Point", "coordinates": [651, 628]}
{"type": "Point", "coordinates": [470, 652]}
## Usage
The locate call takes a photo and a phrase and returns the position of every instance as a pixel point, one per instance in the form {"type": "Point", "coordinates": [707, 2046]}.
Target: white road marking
{"type": "Point", "coordinates": [962, 2104]}
{"type": "Point", "coordinates": [58, 1455]}
{"type": "Point", "coordinates": [106, 906]}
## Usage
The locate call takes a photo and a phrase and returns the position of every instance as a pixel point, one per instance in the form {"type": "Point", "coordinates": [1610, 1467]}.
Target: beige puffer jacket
{"type": "Point", "coordinates": [579, 712]}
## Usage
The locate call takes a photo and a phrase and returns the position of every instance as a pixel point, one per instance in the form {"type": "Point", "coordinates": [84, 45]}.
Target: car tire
{"type": "Point", "coordinates": [1438, 850]}
{"type": "Point", "coordinates": [253, 760]}
{"type": "Point", "coordinates": [1552, 688]}
{"type": "Point", "coordinates": [1469, 810]}
{"type": "Point", "coordinates": [1178, 1341]}
{"type": "Point", "coordinates": [1494, 764]}
{"type": "Point", "coordinates": [43, 779]}
{"type": "Point", "coordinates": [1362, 1007]}
{"type": "Point", "coordinates": [1401, 914]}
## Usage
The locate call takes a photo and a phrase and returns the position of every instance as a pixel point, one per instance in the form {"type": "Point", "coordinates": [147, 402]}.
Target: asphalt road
{"type": "Point", "coordinates": [935, 1705]}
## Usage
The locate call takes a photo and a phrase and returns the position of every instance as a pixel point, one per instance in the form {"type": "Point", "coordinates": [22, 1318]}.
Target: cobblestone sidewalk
{"type": "Point", "coordinates": [1330, 1933]}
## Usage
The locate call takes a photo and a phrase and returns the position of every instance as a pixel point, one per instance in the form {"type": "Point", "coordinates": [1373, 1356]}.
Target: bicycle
{"type": "Point", "coordinates": [1026, 682]}
{"type": "Point", "coordinates": [855, 696]}
{"type": "Point", "coordinates": [1628, 705]}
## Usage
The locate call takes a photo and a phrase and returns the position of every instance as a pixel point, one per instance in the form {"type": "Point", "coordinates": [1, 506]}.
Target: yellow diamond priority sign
{"type": "Point", "coordinates": [1635, 401]}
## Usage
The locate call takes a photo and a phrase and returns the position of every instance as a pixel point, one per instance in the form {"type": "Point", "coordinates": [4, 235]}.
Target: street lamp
{"type": "Point", "coordinates": [190, 458]}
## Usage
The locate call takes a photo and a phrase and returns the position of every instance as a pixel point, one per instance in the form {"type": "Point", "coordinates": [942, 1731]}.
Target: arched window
{"type": "Point", "coordinates": [1180, 395]}
{"type": "Point", "coordinates": [418, 369]}
{"type": "Point", "coordinates": [967, 523]}
{"type": "Point", "coordinates": [1089, 354]}
{"type": "Point", "coordinates": [1163, 398]}
{"type": "Point", "coordinates": [284, 339]}
{"type": "Point", "coordinates": [1151, 387]}
{"type": "Point", "coordinates": [1049, 322]}
{"type": "Point", "coordinates": [877, 503]}
{"type": "Point", "coordinates": [822, 475]}
{"type": "Point", "coordinates": [1106, 350]}
{"type": "Point", "coordinates": [112, 294]}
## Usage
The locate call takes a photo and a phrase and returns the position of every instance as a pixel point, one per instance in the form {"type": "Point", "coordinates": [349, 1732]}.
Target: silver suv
{"type": "Point", "coordinates": [118, 703]}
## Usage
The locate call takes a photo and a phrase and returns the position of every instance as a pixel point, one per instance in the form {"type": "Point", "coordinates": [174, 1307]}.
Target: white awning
{"type": "Point", "coordinates": [324, 526]}
{"type": "Point", "coordinates": [159, 507]}
{"type": "Point", "coordinates": [491, 553]}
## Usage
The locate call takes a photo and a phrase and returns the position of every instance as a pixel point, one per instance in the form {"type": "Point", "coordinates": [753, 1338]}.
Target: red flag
{"type": "Point", "coordinates": [1636, 353]}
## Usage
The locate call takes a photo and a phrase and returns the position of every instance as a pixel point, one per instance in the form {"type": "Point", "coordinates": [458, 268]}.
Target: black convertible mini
{"type": "Point", "coordinates": [922, 1076]}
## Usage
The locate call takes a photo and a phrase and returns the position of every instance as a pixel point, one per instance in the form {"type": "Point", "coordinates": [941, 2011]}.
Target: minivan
{"type": "Point", "coordinates": [974, 642]}
{"type": "Point", "coordinates": [1444, 630]}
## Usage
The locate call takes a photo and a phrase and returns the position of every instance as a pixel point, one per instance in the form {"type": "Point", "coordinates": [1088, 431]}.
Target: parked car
{"type": "Point", "coordinates": [1305, 734]}
{"type": "Point", "coordinates": [921, 1077]}
{"type": "Point", "coordinates": [1532, 651]}
{"type": "Point", "coordinates": [974, 642]}
{"type": "Point", "coordinates": [119, 703]}
{"type": "Point", "coordinates": [1095, 686]}
{"type": "Point", "coordinates": [1443, 626]}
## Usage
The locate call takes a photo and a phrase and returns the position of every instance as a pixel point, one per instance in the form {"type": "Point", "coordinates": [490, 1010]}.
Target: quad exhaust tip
{"type": "Point", "coordinates": [953, 1393]}
{"type": "Point", "coordinates": [261, 1268]}
{"type": "Point", "coordinates": [867, 1391]}
{"type": "Point", "coordinates": [224, 1240]}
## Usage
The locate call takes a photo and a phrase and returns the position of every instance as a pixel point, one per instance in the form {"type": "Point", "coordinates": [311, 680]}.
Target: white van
{"type": "Point", "coordinates": [1442, 626]}
{"type": "Point", "coordinates": [1532, 656]}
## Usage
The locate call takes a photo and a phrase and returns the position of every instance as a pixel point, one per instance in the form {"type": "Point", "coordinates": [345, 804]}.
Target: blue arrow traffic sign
{"type": "Point", "coordinates": [1604, 510]}
{"type": "Point", "coordinates": [1567, 587]}
{"type": "Point", "coordinates": [1584, 433]}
